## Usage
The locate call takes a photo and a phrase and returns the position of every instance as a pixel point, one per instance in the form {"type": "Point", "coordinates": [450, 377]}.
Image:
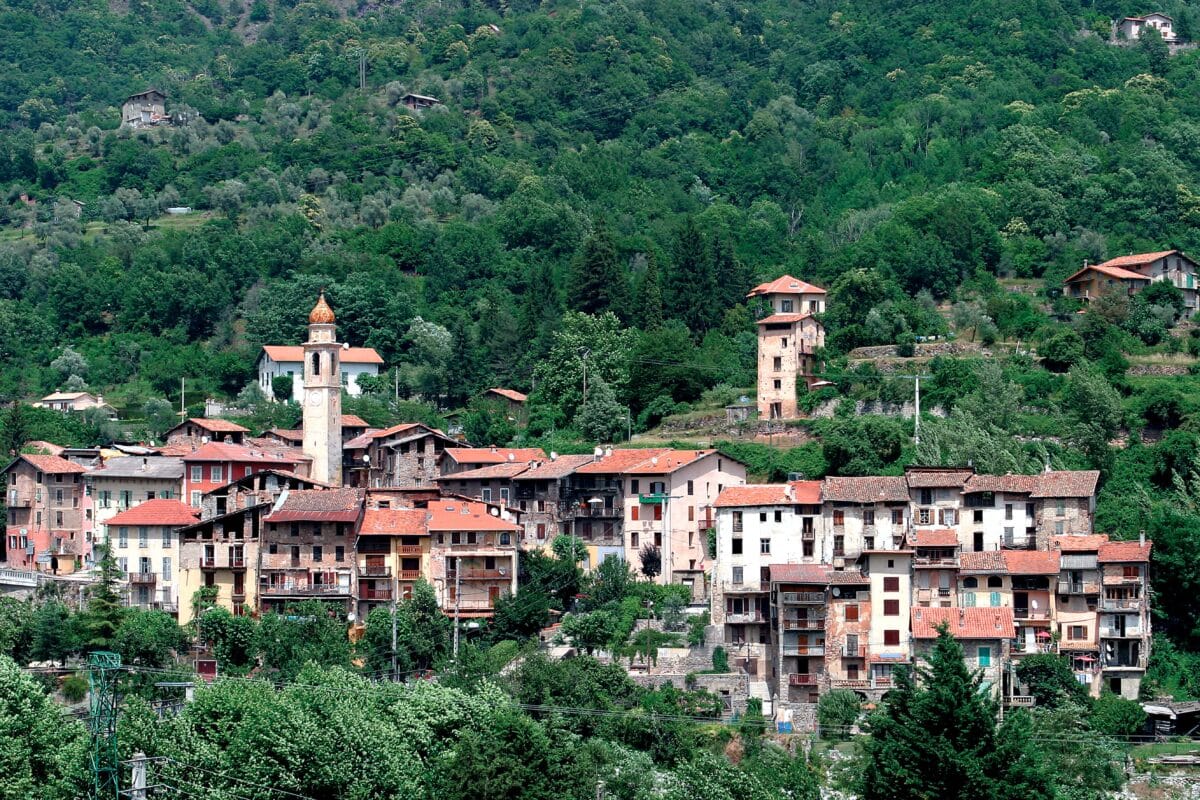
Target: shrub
{"type": "Point", "coordinates": [720, 660]}
{"type": "Point", "coordinates": [837, 711]}
{"type": "Point", "coordinates": [74, 688]}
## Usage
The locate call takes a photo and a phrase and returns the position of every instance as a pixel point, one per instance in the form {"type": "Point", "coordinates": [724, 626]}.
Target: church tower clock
{"type": "Point", "coordinates": [323, 395]}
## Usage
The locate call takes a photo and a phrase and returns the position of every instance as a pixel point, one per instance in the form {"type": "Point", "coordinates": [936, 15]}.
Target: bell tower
{"type": "Point", "coordinates": [323, 395]}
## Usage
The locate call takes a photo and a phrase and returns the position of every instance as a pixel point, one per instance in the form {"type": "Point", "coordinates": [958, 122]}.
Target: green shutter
{"type": "Point", "coordinates": [985, 656]}
{"type": "Point", "coordinates": [969, 599]}
{"type": "Point", "coordinates": [995, 599]}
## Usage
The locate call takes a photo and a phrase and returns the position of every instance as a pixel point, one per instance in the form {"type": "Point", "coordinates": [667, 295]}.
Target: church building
{"type": "Point", "coordinates": [323, 395]}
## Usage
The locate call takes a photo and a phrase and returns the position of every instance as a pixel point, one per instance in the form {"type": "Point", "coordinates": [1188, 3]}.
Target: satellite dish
{"type": "Point", "coordinates": [366, 458]}
{"type": "Point", "coordinates": [1033, 604]}
{"type": "Point", "coordinates": [345, 345]}
{"type": "Point", "coordinates": [836, 592]}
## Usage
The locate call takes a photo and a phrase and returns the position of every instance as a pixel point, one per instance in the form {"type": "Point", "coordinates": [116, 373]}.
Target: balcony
{"type": "Point", "coordinates": [1019, 701]}
{"type": "Point", "coordinates": [854, 652]}
{"type": "Point", "coordinates": [930, 562]}
{"type": "Point", "coordinates": [1122, 580]}
{"type": "Point", "coordinates": [303, 590]}
{"type": "Point", "coordinates": [143, 578]}
{"type": "Point", "coordinates": [479, 574]}
{"type": "Point", "coordinates": [1121, 604]}
{"type": "Point", "coordinates": [850, 683]}
{"type": "Point", "coordinates": [807, 624]}
{"type": "Point", "coordinates": [804, 650]}
{"type": "Point", "coordinates": [657, 498]}
{"type": "Point", "coordinates": [1031, 614]}
{"type": "Point", "coordinates": [749, 617]}
{"type": "Point", "coordinates": [375, 593]}
{"type": "Point", "coordinates": [237, 563]}
{"type": "Point", "coordinates": [882, 682]}
{"type": "Point", "coordinates": [1078, 587]}
{"type": "Point", "coordinates": [803, 597]}
{"type": "Point", "coordinates": [409, 550]}
{"type": "Point", "coordinates": [208, 563]}
{"type": "Point", "coordinates": [409, 574]}
{"type": "Point", "coordinates": [732, 587]}
{"type": "Point", "coordinates": [799, 679]}
{"type": "Point", "coordinates": [594, 511]}
{"type": "Point", "coordinates": [375, 571]}
{"type": "Point", "coordinates": [1117, 633]}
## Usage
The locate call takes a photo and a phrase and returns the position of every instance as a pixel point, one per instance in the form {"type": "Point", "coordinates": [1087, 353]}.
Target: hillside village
{"type": "Point", "coordinates": [810, 585]}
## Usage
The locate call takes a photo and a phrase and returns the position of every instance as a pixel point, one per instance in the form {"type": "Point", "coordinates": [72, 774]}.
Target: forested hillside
{"type": "Point", "coordinates": [614, 177]}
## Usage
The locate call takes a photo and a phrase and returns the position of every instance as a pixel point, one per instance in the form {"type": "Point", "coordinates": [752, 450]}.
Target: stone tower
{"type": "Point", "coordinates": [323, 395]}
{"type": "Point", "coordinates": [788, 336]}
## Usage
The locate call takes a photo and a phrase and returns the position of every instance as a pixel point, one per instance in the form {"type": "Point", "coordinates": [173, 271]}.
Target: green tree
{"type": "Point", "coordinates": [602, 418]}
{"type": "Point", "coordinates": [649, 303]}
{"type": "Point", "coordinates": [149, 639]}
{"type": "Point", "coordinates": [691, 282]}
{"type": "Point", "coordinates": [422, 633]}
{"type": "Point", "coordinates": [598, 282]}
{"type": "Point", "coordinates": [43, 756]}
{"type": "Point", "coordinates": [937, 737]}
{"type": "Point", "coordinates": [837, 711]}
{"type": "Point", "coordinates": [509, 757]}
{"type": "Point", "coordinates": [309, 631]}
{"type": "Point", "coordinates": [104, 612]}
{"type": "Point", "coordinates": [590, 631]}
{"type": "Point", "coordinates": [16, 617]}
{"type": "Point", "coordinates": [598, 344]}
{"type": "Point", "coordinates": [1113, 715]}
{"type": "Point", "coordinates": [1061, 350]}
{"type": "Point", "coordinates": [1049, 680]}
{"type": "Point", "coordinates": [54, 634]}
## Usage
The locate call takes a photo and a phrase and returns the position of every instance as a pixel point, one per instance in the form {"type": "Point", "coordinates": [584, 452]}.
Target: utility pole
{"type": "Point", "coordinates": [457, 602]}
{"type": "Point", "coordinates": [183, 398]}
{"type": "Point", "coordinates": [102, 723]}
{"type": "Point", "coordinates": [362, 70]}
{"type": "Point", "coordinates": [138, 778]}
{"type": "Point", "coordinates": [917, 417]}
{"type": "Point", "coordinates": [394, 676]}
{"type": "Point", "coordinates": [583, 354]}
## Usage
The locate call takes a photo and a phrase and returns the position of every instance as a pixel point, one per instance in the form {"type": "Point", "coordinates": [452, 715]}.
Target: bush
{"type": "Point", "coordinates": [74, 688]}
{"type": "Point", "coordinates": [720, 660]}
{"type": "Point", "coordinates": [1113, 715]}
{"type": "Point", "coordinates": [837, 711]}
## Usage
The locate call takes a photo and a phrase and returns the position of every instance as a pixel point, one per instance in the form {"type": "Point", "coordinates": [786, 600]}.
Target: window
{"type": "Point", "coordinates": [868, 543]}
{"type": "Point", "coordinates": [891, 583]}
{"type": "Point", "coordinates": [924, 516]}
{"type": "Point", "coordinates": [985, 656]}
{"type": "Point", "coordinates": [295, 529]}
{"type": "Point", "coordinates": [105, 498]}
{"type": "Point", "coordinates": [783, 342]}
{"type": "Point", "coordinates": [926, 497]}
{"type": "Point", "coordinates": [737, 574]}
{"type": "Point", "coordinates": [633, 486]}
{"type": "Point", "coordinates": [504, 495]}
{"type": "Point", "coordinates": [994, 600]}
{"type": "Point", "coordinates": [691, 487]}
{"type": "Point", "coordinates": [486, 494]}
{"type": "Point", "coordinates": [839, 545]}
{"type": "Point", "coordinates": [197, 474]}
{"type": "Point", "coordinates": [977, 516]}
{"type": "Point", "coordinates": [735, 546]}
{"type": "Point", "coordinates": [339, 553]}
{"type": "Point", "coordinates": [318, 553]}
{"type": "Point", "coordinates": [122, 536]}
{"type": "Point", "coordinates": [1029, 510]}
{"type": "Point", "coordinates": [777, 363]}
{"type": "Point", "coordinates": [852, 612]}
{"type": "Point", "coordinates": [777, 384]}
{"type": "Point", "coordinates": [897, 516]}
{"type": "Point", "coordinates": [762, 516]}
{"type": "Point", "coordinates": [345, 379]}
{"type": "Point", "coordinates": [143, 536]}
{"type": "Point", "coordinates": [737, 521]}
{"type": "Point", "coordinates": [869, 517]}
{"type": "Point", "coordinates": [1008, 511]}
{"type": "Point", "coordinates": [946, 516]}
{"type": "Point", "coordinates": [541, 526]}
{"type": "Point", "coordinates": [1131, 573]}
{"type": "Point", "coordinates": [658, 512]}
{"type": "Point", "coordinates": [216, 473]}
{"type": "Point", "coordinates": [149, 495]}
{"type": "Point", "coordinates": [166, 568]}
{"type": "Point", "coordinates": [891, 608]}
{"type": "Point", "coordinates": [195, 499]}
{"type": "Point", "coordinates": [968, 599]}
{"type": "Point", "coordinates": [995, 582]}
{"type": "Point", "coordinates": [839, 517]}
{"type": "Point", "coordinates": [970, 583]}
{"type": "Point", "coordinates": [633, 540]}
{"type": "Point", "coordinates": [891, 638]}
{"type": "Point", "coordinates": [1077, 632]}
{"type": "Point", "coordinates": [779, 516]}
{"type": "Point", "coordinates": [691, 513]}
{"type": "Point", "coordinates": [785, 306]}
{"type": "Point", "coordinates": [764, 546]}
{"type": "Point", "coordinates": [633, 512]}
{"type": "Point", "coordinates": [808, 548]}
{"type": "Point", "coordinates": [1058, 529]}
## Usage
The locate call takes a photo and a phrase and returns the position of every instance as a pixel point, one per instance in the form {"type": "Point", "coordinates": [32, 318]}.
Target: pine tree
{"type": "Point", "coordinates": [105, 611]}
{"type": "Point", "coordinates": [691, 285]}
{"type": "Point", "coordinates": [730, 274]}
{"type": "Point", "coordinates": [540, 313]}
{"type": "Point", "coordinates": [598, 283]}
{"type": "Point", "coordinates": [650, 295]}
{"type": "Point", "coordinates": [937, 738]}
{"type": "Point", "coordinates": [602, 418]}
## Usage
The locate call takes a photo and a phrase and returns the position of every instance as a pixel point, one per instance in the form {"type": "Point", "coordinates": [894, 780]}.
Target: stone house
{"type": "Point", "coordinates": [789, 334]}
{"type": "Point", "coordinates": [405, 455]}
{"type": "Point", "coordinates": [861, 514]}
{"type": "Point", "coordinates": [144, 109]}
{"type": "Point", "coordinates": [1132, 273]}
{"type": "Point", "coordinates": [202, 430]}
{"type": "Point", "coordinates": [984, 633]}
{"type": "Point", "coordinates": [44, 495]}
{"type": "Point", "coordinates": [473, 555]}
{"type": "Point", "coordinates": [392, 554]}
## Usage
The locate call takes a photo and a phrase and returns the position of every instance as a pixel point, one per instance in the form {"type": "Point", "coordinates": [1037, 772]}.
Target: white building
{"type": "Point", "coordinates": [278, 361]}
{"type": "Point", "coordinates": [144, 542]}
{"type": "Point", "coordinates": [127, 481]}
{"type": "Point", "coordinates": [1132, 27]}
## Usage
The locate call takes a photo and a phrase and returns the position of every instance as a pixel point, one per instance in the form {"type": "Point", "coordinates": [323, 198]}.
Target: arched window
{"type": "Point", "coordinates": [994, 582]}
{"type": "Point", "coordinates": [316, 365]}
{"type": "Point", "coordinates": [970, 583]}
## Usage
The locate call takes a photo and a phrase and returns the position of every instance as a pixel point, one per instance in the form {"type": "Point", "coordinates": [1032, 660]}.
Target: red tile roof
{"type": "Point", "coordinates": [1137, 259]}
{"type": "Point", "coordinates": [865, 490]}
{"type": "Point", "coordinates": [806, 493]}
{"type": "Point", "coordinates": [295, 354]}
{"type": "Point", "coordinates": [964, 623]}
{"type": "Point", "coordinates": [985, 561]}
{"type": "Point", "coordinates": [488, 473]}
{"type": "Point", "coordinates": [771, 494]}
{"type": "Point", "coordinates": [848, 578]}
{"type": "Point", "coordinates": [554, 469]}
{"type": "Point", "coordinates": [287, 434]}
{"type": "Point", "coordinates": [510, 394]}
{"type": "Point", "coordinates": [1111, 271]}
{"type": "Point", "coordinates": [1067, 483]}
{"type": "Point", "coordinates": [405, 427]}
{"type": "Point", "coordinates": [159, 511]}
{"type": "Point", "coordinates": [223, 451]}
{"type": "Point", "coordinates": [666, 463]}
{"type": "Point", "coordinates": [936, 477]}
{"type": "Point", "coordinates": [318, 505]}
{"type": "Point", "coordinates": [1031, 562]}
{"type": "Point", "coordinates": [785, 285]}
{"type": "Point", "coordinates": [783, 319]}
{"type": "Point", "coordinates": [941, 537]}
{"type": "Point", "coordinates": [800, 573]}
{"type": "Point", "coordinates": [650, 461]}
{"type": "Point", "coordinates": [52, 465]}
{"type": "Point", "coordinates": [393, 522]}
{"type": "Point", "coordinates": [214, 425]}
{"type": "Point", "coordinates": [447, 514]}
{"type": "Point", "coordinates": [1124, 552]}
{"type": "Point", "coordinates": [353, 421]}
{"type": "Point", "coordinates": [1069, 543]}
{"type": "Point", "coordinates": [494, 455]}
{"type": "Point", "coordinates": [1011, 484]}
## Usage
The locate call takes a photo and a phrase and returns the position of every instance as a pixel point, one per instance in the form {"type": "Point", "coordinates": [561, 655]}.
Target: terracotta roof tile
{"type": "Point", "coordinates": [941, 537]}
{"type": "Point", "coordinates": [665, 464]}
{"type": "Point", "coordinates": [353, 421]}
{"type": "Point", "coordinates": [448, 514]}
{"type": "Point", "coordinates": [51, 465]}
{"type": "Point", "coordinates": [1106, 269]}
{"type": "Point", "coordinates": [554, 469]}
{"type": "Point", "coordinates": [288, 435]}
{"type": "Point", "coordinates": [1078, 543]}
{"type": "Point", "coordinates": [964, 623]}
{"type": "Point", "coordinates": [295, 354]}
{"type": "Point", "coordinates": [806, 493]}
{"type": "Point", "coordinates": [159, 511]}
{"type": "Point", "coordinates": [393, 522]}
{"type": "Point", "coordinates": [1124, 552]}
{"type": "Point", "coordinates": [318, 505]}
{"type": "Point", "coordinates": [1031, 562]}
{"type": "Point", "coordinates": [223, 451]}
{"type": "Point", "coordinates": [771, 494]}
{"type": "Point", "coordinates": [494, 455]}
{"type": "Point", "coordinates": [490, 472]}
{"type": "Point", "coordinates": [936, 477]}
{"type": "Point", "coordinates": [1067, 483]}
{"type": "Point", "coordinates": [214, 425]}
{"type": "Point", "coordinates": [783, 319]}
{"type": "Point", "coordinates": [800, 573]}
{"type": "Point", "coordinates": [785, 284]}
{"type": "Point", "coordinates": [511, 394]}
{"type": "Point", "coordinates": [1137, 259]}
{"type": "Point", "coordinates": [865, 490]}
{"type": "Point", "coordinates": [986, 561]}
{"type": "Point", "coordinates": [848, 578]}
{"type": "Point", "coordinates": [1011, 484]}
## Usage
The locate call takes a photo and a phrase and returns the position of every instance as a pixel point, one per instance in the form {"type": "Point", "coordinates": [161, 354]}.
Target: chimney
{"type": "Point", "coordinates": [512, 457]}
{"type": "Point", "coordinates": [598, 453]}
{"type": "Point", "coordinates": [553, 456]}
{"type": "Point", "coordinates": [608, 451]}
{"type": "Point", "coordinates": [145, 462]}
{"type": "Point", "coordinates": [1142, 538]}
